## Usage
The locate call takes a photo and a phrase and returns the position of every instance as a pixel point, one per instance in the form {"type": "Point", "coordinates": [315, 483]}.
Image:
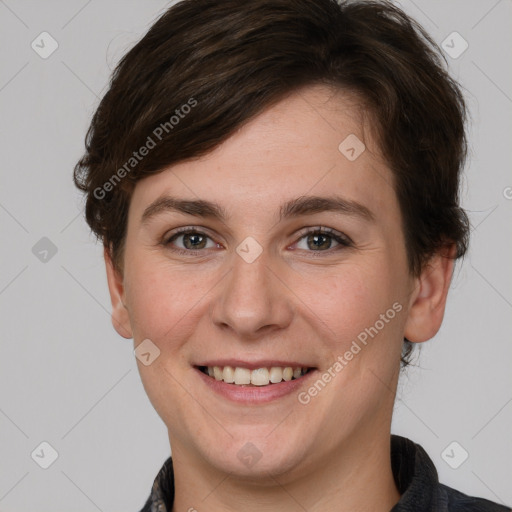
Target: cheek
{"type": "Point", "coordinates": [165, 305]}
{"type": "Point", "coordinates": [351, 298]}
{"type": "Point", "coordinates": [164, 301]}
{"type": "Point", "coordinates": [364, 312]}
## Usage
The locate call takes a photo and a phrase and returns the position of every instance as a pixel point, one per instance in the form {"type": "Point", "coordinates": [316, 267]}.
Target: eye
{"type": "Point", "coordinates": [321, 240]}
{"type": "Point", "coordinates": [189, 240]}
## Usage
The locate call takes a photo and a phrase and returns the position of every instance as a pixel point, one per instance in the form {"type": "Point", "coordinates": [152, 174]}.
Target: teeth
{"type": "Point", "coordinates": [258, 377]}
{"type": "Point", "coordinates": [276, 374]}
{"type": "Point", "coordinates": [288, 373]}
{"type": "Point", "coordinates": [229, 374]}
{"type": "Point", "coordinates": [242, 375]}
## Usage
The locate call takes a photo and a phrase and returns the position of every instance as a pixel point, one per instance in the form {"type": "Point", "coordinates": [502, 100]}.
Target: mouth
{"type": "Point", "coordinates": [238, 376]}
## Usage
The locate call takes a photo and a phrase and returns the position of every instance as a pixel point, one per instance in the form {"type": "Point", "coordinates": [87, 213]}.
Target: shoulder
{"type": "Point", "coordinates": [417, 481]}
{"type": "Point", "coordinates": [455, 501]}
{"type": "Point", "coordinates": [161, 497]}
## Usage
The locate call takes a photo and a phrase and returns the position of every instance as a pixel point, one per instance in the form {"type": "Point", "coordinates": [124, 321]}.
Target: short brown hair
{"type": "Point", "coordinates": [228, 60]}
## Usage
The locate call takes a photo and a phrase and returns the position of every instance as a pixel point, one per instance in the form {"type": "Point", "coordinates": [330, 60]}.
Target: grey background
{"type": "Point", "coordinates": [68, 379]}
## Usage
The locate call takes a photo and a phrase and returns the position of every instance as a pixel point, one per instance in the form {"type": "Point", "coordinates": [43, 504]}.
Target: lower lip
{"type": "Point", "coordinates": [250, 395]}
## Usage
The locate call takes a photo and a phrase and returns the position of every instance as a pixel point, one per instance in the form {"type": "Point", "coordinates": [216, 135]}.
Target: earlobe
{"type": "Point", "coordinates": [120, 316]}
{"type": "Point", "coordinates": [428, 301]}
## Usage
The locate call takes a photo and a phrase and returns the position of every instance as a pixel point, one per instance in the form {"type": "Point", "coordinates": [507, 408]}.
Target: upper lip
{"type": "Point", "coordinates": [254, 365]}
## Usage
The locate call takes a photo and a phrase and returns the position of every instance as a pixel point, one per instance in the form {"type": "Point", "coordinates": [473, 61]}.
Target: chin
{"type": "Point", "coordinates": [253, 453]}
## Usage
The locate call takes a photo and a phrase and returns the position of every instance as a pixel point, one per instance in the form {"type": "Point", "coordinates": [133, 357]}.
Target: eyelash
{"type": "Point", "coordinates": [343, 240]}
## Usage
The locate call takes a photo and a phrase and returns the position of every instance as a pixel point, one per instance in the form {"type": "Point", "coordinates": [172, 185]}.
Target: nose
{"type": "Point", "coordinates": [252, 300]}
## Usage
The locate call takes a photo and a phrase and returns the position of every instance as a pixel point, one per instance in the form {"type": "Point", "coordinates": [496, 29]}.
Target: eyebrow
{"type": "Point", "coordinates": [304, 205]}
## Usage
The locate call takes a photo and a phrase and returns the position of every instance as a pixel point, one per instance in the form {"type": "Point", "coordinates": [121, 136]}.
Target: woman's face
{"type": "Point", "coordinates": [262, 288]}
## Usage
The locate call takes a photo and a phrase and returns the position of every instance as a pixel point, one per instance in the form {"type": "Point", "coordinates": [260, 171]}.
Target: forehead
{"type": "Point", "coordinates": [317, 141]}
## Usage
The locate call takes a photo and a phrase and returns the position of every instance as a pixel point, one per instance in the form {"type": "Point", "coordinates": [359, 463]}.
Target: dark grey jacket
{"type": "Point", "coordinates": [415, 476]}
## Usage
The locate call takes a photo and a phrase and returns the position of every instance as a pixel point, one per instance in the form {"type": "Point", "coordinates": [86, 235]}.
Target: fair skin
{"type": "Point", "coordinates": [296, 301]}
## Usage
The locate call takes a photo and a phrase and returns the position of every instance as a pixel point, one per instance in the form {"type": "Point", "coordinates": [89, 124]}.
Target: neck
{"type": "Point", "coordinates": [356, 477]}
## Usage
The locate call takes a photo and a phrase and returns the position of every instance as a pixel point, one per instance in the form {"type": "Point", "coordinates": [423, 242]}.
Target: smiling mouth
{"type": "Point", "coordinates": [257, 377]}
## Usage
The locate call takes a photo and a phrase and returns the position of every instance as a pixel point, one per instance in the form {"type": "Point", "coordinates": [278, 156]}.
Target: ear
{"type": "Point", "coordinates": [120, 316]}
{"type": "Point", "coordinates": [428, 301]}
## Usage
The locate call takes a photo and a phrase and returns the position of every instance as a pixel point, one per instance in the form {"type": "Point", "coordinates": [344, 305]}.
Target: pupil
{"type": "Point", "coordinates": [193, 239]}
{"type": "Point", "coordinates": [316, 239]}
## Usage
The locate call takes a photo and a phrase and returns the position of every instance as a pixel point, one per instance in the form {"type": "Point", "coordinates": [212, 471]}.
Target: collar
{"type": "Point", "coordinates": [415, 476]}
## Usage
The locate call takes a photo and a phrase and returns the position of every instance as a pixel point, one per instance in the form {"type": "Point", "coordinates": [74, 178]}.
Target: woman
{"type": "Point", "coordinates": [275, 183]}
